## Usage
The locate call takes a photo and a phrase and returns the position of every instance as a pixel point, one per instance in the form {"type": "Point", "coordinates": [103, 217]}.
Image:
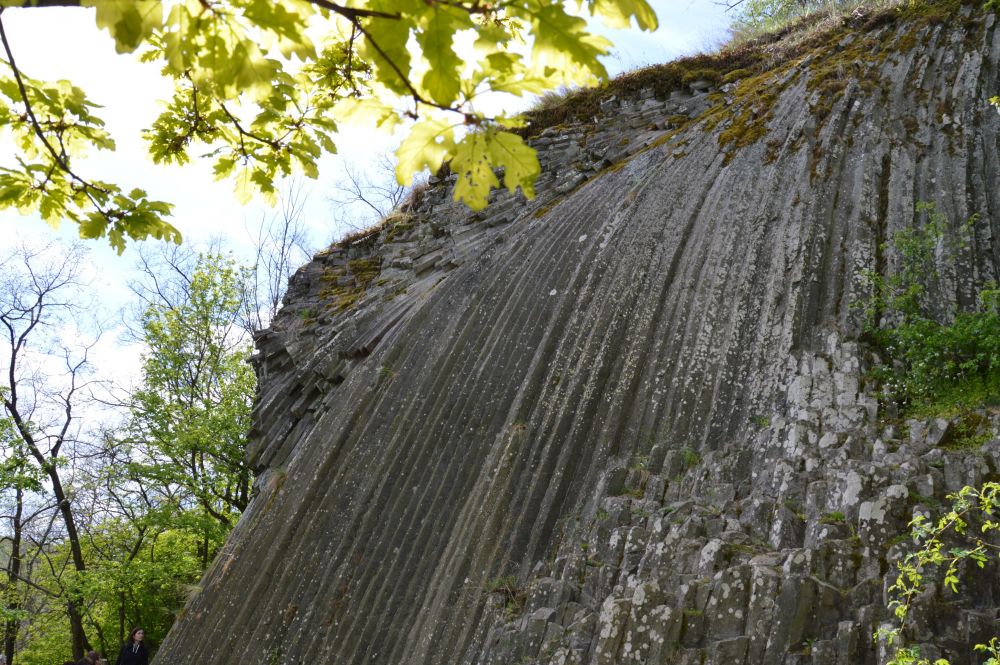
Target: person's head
{"type": "Point", "coordinates": [137, 635]}
{"type": "Point", "coordinates": [92, 656]}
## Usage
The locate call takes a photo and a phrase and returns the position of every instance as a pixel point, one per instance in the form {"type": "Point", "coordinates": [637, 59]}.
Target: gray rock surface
{"type": "Point", "coordinates": [639, 395]}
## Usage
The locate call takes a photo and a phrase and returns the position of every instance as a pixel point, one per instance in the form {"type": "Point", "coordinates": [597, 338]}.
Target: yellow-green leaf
{"type": "Point", "coordinates": [130, 22]}
{"type": "Point", "coordinates": [436, 36]}
{"type": "Point", "coordinates": [475, 172]}
{"type": "Point", "coordinates": [619, 13]}
{"type": "Point", "coordinates": [386, 49]}
{"type": "Point", "coordinates": [425, 147]}
{"type": "Point", "coordinates": [519, 161]}
{"type": "Point", "coordinates": [562, 42]}
{"type": "Point", "coordinates": [361, 110]}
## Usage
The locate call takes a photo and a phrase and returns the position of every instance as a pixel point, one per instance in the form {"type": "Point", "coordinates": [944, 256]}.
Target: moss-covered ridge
{"type": "Point", "coordinates": [751, 69]}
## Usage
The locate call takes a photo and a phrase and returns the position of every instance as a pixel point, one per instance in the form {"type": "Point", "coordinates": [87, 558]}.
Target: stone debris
{"type": "Point", "coordinates": [751, 558]}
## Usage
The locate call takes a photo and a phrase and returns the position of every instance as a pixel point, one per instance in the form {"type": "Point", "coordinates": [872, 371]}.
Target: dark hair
{"type": "Point", "coordinates": [131, 636]}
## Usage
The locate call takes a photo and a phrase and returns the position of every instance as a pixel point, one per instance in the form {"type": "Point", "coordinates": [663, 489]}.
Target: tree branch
{"type": "Point", "coordinates": [60, 159]}
{"type": "Point", "coordinates": [417, 97]}
{"type": "Point", "coordinates": [353, 14]}
{"type": "Point", "coordinates": [274, 145]}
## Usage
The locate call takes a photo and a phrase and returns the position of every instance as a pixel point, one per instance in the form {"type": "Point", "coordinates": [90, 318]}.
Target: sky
{"type": "Point", "coordinates": [206, 209]}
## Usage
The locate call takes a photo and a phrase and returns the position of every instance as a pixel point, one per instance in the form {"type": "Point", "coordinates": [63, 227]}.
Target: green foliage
{"type": "Point", "coordinates": [762, 18]}
{"type": "Point", "coordinates": [151, 583]}
{"type": "Point", "coordinates": [190, 417]}
{"type": "Point", "coordinates": [263, 100]}
{"type": "Point", "coordinates": [936, 361]}
{"type": "Point", "coordinates": [17, 472]}
{"type": "Point", "coordinates": [961, 535]}
{"type": "Point", "coordinates": [505, 584]}
{"type": "Point", "coordinates": [758, 16]}
{"type": "Point", "coordinates": [514, 596]}
{"type": "Point", "coordinates": [151, 503]}
{"type": "Point", "coordinates": [690, 458]}
{"type": "Point", "coordinates": [969, 430]}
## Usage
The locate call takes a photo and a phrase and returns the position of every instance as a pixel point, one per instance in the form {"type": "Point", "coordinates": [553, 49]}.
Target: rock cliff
{"type": "Point", "coordinates": [628, 421]}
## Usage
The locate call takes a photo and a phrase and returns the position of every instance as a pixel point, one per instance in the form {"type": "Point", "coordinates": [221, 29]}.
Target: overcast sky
{"type": "Point", "coordinates": [63, 43]}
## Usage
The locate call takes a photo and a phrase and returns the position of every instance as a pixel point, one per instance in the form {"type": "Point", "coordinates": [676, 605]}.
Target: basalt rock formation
{"type": "Point", "coordinates": [628, 421]}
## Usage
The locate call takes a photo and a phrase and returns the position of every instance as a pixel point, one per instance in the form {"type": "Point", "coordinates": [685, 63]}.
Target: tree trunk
{"type": "Point", "coordinates": [77, 634]}
{"type": "Point", "coordinates": [80, 643]}
{"type": "Point", "coordinates": [12, 600]}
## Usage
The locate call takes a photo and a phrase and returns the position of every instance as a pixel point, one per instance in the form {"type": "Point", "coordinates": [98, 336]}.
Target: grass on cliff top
{"type": "Point", "coordinates": [397, 221]}
{"type": "Point", "coordinates": [748, 53]}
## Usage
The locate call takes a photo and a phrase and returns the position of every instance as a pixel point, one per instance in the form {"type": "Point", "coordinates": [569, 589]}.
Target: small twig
{"type": "Point", "coordinates": [730, 5]}
{"type": "Point", "coordinates": [417, 97]}
{"type": "Point", "coordinates": [350, 57]}
{"type": "Point", "coordinates": [59, 159]}
{"type": "Point", "coordinates": [275, 145]}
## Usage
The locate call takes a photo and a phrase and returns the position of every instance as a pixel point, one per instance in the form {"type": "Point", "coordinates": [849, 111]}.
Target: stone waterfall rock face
{"type": "Point", "coordinates": [627, 422]}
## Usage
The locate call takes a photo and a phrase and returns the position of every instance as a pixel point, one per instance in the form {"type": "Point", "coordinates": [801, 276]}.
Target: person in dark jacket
{"type": "Point", "coordinates": [134, 651]}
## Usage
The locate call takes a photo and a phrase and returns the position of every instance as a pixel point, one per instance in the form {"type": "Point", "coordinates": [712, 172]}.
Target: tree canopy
{"type": "Point", "coordinates": [260, 88]}
{"type": "Point", "coordinates": [114, 497]}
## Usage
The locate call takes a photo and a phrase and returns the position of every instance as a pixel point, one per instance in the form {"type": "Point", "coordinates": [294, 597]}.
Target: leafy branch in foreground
{"type": "Point", "coordinates": [961, 535]}
{"type": "Point", "coordinates": [51, 123]}
{"type": "Point", "coordinates": [264, 101]}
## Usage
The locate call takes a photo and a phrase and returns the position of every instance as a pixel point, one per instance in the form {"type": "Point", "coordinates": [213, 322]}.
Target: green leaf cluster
{"type": "Point", "coordinates": [935, 361]}
{"type": "Point", "coordinates": [52, 124]}
{"type": "Point", "coordinates": [148, 584]}
{"type": "Point", "coordinates": [17, 470]}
